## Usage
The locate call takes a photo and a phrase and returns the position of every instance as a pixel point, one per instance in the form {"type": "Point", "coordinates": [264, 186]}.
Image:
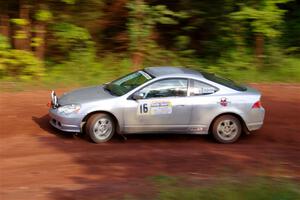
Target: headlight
{"type": "Point", "coordinates": [68, 109]}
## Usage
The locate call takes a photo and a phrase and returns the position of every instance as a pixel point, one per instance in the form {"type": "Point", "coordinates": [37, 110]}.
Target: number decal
{"type": "Point", "coordinates": [144, 108]}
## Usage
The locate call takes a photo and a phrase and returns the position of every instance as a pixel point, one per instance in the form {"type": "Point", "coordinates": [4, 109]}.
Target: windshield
{"type": "Point", "coordinates": [222, 81]}
{"type": "Point", "coordinates": [127, 83]}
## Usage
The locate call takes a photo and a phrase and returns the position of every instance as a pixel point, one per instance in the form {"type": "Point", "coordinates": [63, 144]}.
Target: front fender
{"type": "Point", "coordinates": [110, 108]}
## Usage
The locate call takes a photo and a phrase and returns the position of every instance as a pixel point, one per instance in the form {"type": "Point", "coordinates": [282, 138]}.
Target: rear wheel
{"type": "Point", "coordinates": [227, 129]}
{"type": "Point", "coordinates": [100, 127]}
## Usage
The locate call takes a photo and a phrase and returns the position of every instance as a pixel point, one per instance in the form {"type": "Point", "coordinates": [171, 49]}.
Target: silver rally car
{"type": "Point", "coordinates": [160, 100]}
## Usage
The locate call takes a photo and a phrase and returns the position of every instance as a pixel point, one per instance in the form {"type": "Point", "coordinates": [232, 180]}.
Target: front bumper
{"type": "Point", "coordinates": [68, 123]}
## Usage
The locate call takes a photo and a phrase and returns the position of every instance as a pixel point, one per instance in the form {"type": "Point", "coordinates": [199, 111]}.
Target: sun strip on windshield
{"type": "Point", "coordinates": [147, 76]}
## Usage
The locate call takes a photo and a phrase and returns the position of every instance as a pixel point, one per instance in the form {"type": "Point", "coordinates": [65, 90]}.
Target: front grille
{"type": "Point", "coordinates": [56, 123]}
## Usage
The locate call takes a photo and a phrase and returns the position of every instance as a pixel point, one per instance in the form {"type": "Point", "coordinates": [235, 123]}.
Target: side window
{"type": "Point", "coordinates": [199, 88]}
{"type": "Point", "coordinates": [166, 88]}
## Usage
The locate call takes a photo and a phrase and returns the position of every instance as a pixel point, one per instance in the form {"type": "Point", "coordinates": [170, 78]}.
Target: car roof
{"type": "Point", "coordinates": [166, 70]}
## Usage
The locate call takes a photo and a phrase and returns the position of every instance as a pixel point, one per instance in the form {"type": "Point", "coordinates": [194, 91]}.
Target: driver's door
{"type": "Point", "coordinates": [165, 107]}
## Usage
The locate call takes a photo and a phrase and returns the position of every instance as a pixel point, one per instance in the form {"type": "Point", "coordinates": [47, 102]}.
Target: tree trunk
{"type": "Point", "coordinates": [137, 55]}
{"type": "Point", "coordinates": [137, 60]}
{"type": "Point", "coordinates": [40, 33]}
{"type": "Point", "coordinates": [259, 48]}
{"type": "Point", "coordinates": [24, 41]}
{"type": "Point", "coordinates": [4, 25]}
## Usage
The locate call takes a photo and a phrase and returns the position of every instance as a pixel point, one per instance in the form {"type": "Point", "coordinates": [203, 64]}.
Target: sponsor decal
{"type": "Point", "coordinates": [224, 102]}
{"type": "Point", "coordinates": [208, 90]}
{"type": "Point", "coordinates": [203, 90]}
{"type": "Point", "coordinates": [160, 108]}
{"type": "Point", "coordinates": [154, 108]}
{"type": "Point", "coordinates": [197, 129]}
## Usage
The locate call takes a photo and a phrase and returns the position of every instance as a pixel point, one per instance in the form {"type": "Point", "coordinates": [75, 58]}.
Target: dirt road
{"type": "Point", "coordinates": [38, 162]}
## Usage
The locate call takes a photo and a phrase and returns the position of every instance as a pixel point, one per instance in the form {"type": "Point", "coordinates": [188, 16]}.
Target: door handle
{"type": "Point", "coordinates": [180, 105]}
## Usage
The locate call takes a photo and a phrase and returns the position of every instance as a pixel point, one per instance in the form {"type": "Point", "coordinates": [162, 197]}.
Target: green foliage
{"type": "Point", "coordinates": [169, 188]}
{"type": "Point", "coordinates": [36, 41]}
{"type": "Point", "coordinates": [217, 37]}
{"type": "Point", "coordinates": [43, 15]}
{"type": "Point", "coordinates": [142, 21]}
{"type": "Point", "coordinates": [234, 60]}
{"type": "Point", "coordinates": [242, 70]}
{"type": "Point", "coordinates": [232, 191]}
{"type": "Point", "coordinates": [4, 44]}
{"type": "Point", "coordinates": [290, 40]}
{"type": "Point", "coordinates": [69, 1]}
{"type": "Point", "coordinates": [19, 34]}
{"type": "Point", "coordinates": [76, 44]}
{"type": "Point", "coordinates": [182, 41]}
{"type": "Point", "coordinates": [18, 63]}
{"type": "Point", "coordinates": [84, 70]}
{"type": "Point", "coordinates": [264, 17]}
{"type": "Point", "coordinates": [20, 22]}
{"type": "Point", "coordinates": [70, 38]}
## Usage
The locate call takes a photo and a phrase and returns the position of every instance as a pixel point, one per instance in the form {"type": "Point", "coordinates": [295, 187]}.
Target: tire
{"type": "Point", "coordinates": [100, 127]}
{"type": "Point", "coordinates": [227, 129]}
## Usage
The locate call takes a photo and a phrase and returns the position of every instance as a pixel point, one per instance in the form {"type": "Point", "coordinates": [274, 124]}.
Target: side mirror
{"type": "Point", "coordinates": [138, 95]}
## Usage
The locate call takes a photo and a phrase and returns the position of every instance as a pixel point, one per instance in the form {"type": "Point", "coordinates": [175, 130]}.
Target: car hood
{"type": "Point", "coordinates": [84, 95]}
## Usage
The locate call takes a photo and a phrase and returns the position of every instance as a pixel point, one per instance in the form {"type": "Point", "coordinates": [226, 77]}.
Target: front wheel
{"type": "Point", "coordinates": [227, 129]}
{"type": "Point", "coordinates": [100, 127]}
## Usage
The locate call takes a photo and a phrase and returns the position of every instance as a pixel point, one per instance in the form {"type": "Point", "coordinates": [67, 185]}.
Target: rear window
{"type": "Point", "coordinates": [223, 81]}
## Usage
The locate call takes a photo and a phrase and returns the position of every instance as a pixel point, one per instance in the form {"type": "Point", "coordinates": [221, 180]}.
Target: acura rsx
{"type": "Point", "coordinates": [160, 100]}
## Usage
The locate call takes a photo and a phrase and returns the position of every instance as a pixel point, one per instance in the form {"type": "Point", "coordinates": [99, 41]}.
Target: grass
{"type": "Point", "coordinates": [79, 73]}
{"type": "Point", "coordinates": [173, 188]}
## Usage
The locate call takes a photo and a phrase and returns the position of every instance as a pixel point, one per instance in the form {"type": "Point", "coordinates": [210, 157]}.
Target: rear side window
{"type": "Point", "coordinates": [166, 88]}
{"type": "Point", "coordinates": [199, 88]}
{"type": "Point", "coordinates": [223, 81]}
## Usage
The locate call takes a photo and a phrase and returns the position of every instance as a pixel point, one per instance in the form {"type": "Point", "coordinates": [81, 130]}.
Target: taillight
{"type": "Point", "coordinates": [257, 105]}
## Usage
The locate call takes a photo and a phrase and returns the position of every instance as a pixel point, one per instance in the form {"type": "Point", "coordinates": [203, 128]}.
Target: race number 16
{"type": "Point", "coordinates": [143, 108]}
